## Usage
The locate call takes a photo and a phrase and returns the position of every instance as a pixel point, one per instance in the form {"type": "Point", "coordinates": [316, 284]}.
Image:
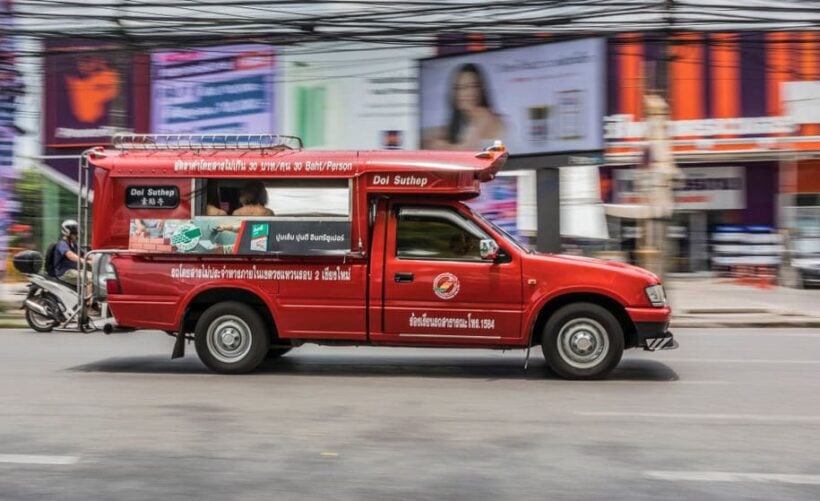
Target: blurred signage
{"type": "Point", "coordinates": [703, 188]}
{"type": "Point", "coordinates": [802, 101]}
{"type": "Point", "coordinates": [622, 127]}
{"type": "Point", "coordinates": [369, 86]}
{"type": "Point", "coordinates": [746, 246]}
{"type": "Point", "coordinates": [88, 96]}
{"type": "Point", "coordinates": [540, 99]}
{"type": "Point", "coordinates": [582, 212]}
{"type": "Point", "coordinates": [216, 89]}
{"type": "Point", "coordinates": [498, 202]}
{"type": "Point", "coordinates": [10, 88]}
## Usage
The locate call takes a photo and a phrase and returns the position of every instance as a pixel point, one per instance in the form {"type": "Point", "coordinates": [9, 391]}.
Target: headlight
{"type": "Point", "coordinates": [656, 295]}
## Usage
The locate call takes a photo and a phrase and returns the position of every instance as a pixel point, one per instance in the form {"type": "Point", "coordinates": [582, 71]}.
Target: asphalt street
{"type": "Point", "coordinates": [732, 414]}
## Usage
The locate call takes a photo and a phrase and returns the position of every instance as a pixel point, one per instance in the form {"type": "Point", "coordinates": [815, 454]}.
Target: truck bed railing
{"type": "Point", "coordinates": [205, 142]}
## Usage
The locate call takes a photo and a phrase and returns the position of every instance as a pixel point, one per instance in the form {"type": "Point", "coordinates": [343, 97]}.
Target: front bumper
{"type": "Point", "coordinates": [654, 336]}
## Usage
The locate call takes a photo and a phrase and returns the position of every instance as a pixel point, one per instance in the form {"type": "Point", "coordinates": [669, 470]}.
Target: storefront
{"type": "Point", "coordinates": [710, 196]}
{"type": "Point", "coordinates": [744, 129]}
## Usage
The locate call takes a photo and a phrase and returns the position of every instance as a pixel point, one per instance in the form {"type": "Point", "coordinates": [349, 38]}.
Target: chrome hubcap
{"type": "Point", "coordinates": [40, 320]}
{"type": "Point", "coordinates": [583, 343]}
{"type": "Point", "coordinates": [229, 339]}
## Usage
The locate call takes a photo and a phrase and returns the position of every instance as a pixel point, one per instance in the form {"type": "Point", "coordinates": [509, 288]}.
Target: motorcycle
{"type": "Point", "coordinates": [52, 303]}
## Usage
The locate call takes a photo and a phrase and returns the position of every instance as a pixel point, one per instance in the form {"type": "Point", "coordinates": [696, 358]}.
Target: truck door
{"type": "Point", "coordinates": [438, 289]}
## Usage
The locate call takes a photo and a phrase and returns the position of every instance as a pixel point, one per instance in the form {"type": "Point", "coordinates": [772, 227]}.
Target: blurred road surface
{"type": "Point", "coordinates": [732, 414]}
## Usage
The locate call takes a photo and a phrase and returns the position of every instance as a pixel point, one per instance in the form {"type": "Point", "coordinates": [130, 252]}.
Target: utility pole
{"type": "Point", "coordinates": [659, 170]}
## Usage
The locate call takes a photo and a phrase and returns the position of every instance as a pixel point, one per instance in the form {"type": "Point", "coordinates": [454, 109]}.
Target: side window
{"type": "Point", "coordinates": [274, 197]}
{"type": "Point", "coordinates": [437, 233]}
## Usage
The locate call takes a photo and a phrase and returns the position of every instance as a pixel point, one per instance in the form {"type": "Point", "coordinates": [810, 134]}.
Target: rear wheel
{"type": "Point", "coordinates": [39, 322]}
{"type": "Point", "coordinates": [583, 341]}
{"type": "Point", "coordinates": [42, 323]}
{"type": "Point", "coordinates": [231, 338]}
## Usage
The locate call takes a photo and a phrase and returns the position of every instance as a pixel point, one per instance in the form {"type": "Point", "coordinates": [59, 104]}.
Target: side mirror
{"type": "Point", "coordinates": [488, 248]}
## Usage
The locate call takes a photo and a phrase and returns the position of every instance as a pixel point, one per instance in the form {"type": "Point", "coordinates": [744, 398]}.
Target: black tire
{"type": "Point", "coordinates": [582, 341]}
{"type": "Point", "coordinates": [231, 338]}
{"type": "Point", "coordinates": [38, 322]}
{"type": "Point", "coordinates": [274, 353]}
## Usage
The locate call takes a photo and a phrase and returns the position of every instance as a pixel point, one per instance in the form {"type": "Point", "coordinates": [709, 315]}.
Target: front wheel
{"type": "Point", "coordinates": [231, 338]}
{"type": "Point", "coordinates": [583, 341]}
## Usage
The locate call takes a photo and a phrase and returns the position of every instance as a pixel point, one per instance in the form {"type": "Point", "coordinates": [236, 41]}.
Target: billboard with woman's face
{"type": "Point", "coordinates": [547, 98]}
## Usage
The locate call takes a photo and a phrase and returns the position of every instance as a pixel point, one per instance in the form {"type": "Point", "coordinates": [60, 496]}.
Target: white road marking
{"type": "Point", "coordinates": [740, 361]}
{"type": "Point", "coordinates": [638, 381]}
{"type": "Point", "coordinates": [723, 476]}
{"type": "Point", "coordinates": [38, 459]}
{"type": "Point", "coordinates": [749, 332]}
{"type": "Point", "coordinates": [761, 418]}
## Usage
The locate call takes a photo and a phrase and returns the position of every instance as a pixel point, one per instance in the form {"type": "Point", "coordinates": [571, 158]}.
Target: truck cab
{"type": "Point", "coordinates": [363, 248]}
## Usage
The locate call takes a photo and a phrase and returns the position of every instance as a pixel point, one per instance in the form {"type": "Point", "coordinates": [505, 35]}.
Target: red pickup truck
{"type": "Point", "coordinates": [251, 250]}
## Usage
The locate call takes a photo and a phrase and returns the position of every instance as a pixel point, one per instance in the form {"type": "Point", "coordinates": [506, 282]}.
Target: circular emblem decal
{"type": "Point", "coordinates": [186, 237]}
{"type": "Point", "coordinates": [446, 286]}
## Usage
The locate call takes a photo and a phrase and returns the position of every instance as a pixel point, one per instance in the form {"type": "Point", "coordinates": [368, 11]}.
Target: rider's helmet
{"type": "Point", "coordinates": [69, 227]}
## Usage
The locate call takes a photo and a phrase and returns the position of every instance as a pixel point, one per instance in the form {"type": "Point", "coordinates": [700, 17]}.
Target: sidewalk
{"type": "Point", "coordinates": [718, 302]}
{"type": "Point", "coordinates": [696, 302]}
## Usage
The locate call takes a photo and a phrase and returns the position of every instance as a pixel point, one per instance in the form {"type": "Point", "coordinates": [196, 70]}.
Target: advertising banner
{"type": "Point", "coordinates": [547, 98]}
{"type": "Point", "coordinates": [227, 89]}
{"type": "Point", "coordinates": [703, 188]}
{"type": "Point", "coordinates": [88, 92]}
{"type": "Point", "coordinates": [239, 236]}
{"type": "Point", "coordinates": [362, 98]}
{"type": "Point", "coordinates": [11, 87]}
{"type": "Point", "coordinates": [498, 202]}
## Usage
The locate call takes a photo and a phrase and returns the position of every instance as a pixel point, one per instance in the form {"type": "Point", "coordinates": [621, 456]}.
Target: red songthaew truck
{"type": "Point", "coordinates": [250, 246]}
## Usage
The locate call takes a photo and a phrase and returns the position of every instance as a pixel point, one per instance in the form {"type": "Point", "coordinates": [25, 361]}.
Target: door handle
{"type": "Point", "coordinates": [403, 277]}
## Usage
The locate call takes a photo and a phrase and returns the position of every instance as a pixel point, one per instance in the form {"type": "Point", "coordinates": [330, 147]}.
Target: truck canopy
{"type": "Point", "coordinates": [389, 171]}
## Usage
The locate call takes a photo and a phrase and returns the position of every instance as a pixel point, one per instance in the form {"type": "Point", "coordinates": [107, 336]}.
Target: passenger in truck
{"type": "Point", "coordinates": [253, 198]}
{"type": "Point", "coordinates": [461, 245]}
{"type": "Point", "coordinates": [212, 204]}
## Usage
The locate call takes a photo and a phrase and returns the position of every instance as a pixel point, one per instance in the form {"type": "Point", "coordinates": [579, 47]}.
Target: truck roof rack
{"type": "Point", "coordinates": [205, 142]}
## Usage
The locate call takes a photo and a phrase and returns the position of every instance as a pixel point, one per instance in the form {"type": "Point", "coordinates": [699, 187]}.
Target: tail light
{"type": "Point", "coordinates": [112, 281]}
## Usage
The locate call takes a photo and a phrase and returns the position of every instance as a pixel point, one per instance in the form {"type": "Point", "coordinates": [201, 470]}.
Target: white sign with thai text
{"type": "Point", "coordinates": [703, 188]}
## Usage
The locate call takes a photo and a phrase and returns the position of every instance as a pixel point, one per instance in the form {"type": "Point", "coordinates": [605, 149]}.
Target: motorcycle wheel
{"type": "Point", "coordinates": [38, 322]}
{"type": "Point", "coordinates": [41, 323]}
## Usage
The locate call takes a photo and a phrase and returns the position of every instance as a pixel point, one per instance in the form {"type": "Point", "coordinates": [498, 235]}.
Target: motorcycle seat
{"type": "Point", "coordinates": [58, 281]}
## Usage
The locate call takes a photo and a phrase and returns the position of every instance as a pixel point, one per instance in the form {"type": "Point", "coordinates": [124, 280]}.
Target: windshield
{"type": "Point", "coordinates": [501, 231]}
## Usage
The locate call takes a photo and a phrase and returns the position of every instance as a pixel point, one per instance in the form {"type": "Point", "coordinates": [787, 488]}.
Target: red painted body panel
{"type": "Point", "coordinates": [353, 298]}
{"type": "Point", "coordinates": [649, 315]}
{"type": "Point", "coordinates": [485, 309]}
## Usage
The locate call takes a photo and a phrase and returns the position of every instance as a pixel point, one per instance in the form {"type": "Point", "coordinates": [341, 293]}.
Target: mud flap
{"type": "Point", "coordinates": [179, 346]}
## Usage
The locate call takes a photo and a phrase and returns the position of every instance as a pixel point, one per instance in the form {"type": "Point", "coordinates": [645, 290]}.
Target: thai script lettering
{"type": "Point", "coordinates": [468, 322]}
{"type": "Point", "coordinates": [216, 272]}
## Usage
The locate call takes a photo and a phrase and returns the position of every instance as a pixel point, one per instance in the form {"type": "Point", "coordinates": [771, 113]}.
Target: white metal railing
{"type": "Point", "coordinates": [204, 141]}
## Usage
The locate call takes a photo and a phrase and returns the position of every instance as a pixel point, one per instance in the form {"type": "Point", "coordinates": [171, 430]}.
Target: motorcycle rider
{"type": "Point", "coordinates": [67, 256]}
